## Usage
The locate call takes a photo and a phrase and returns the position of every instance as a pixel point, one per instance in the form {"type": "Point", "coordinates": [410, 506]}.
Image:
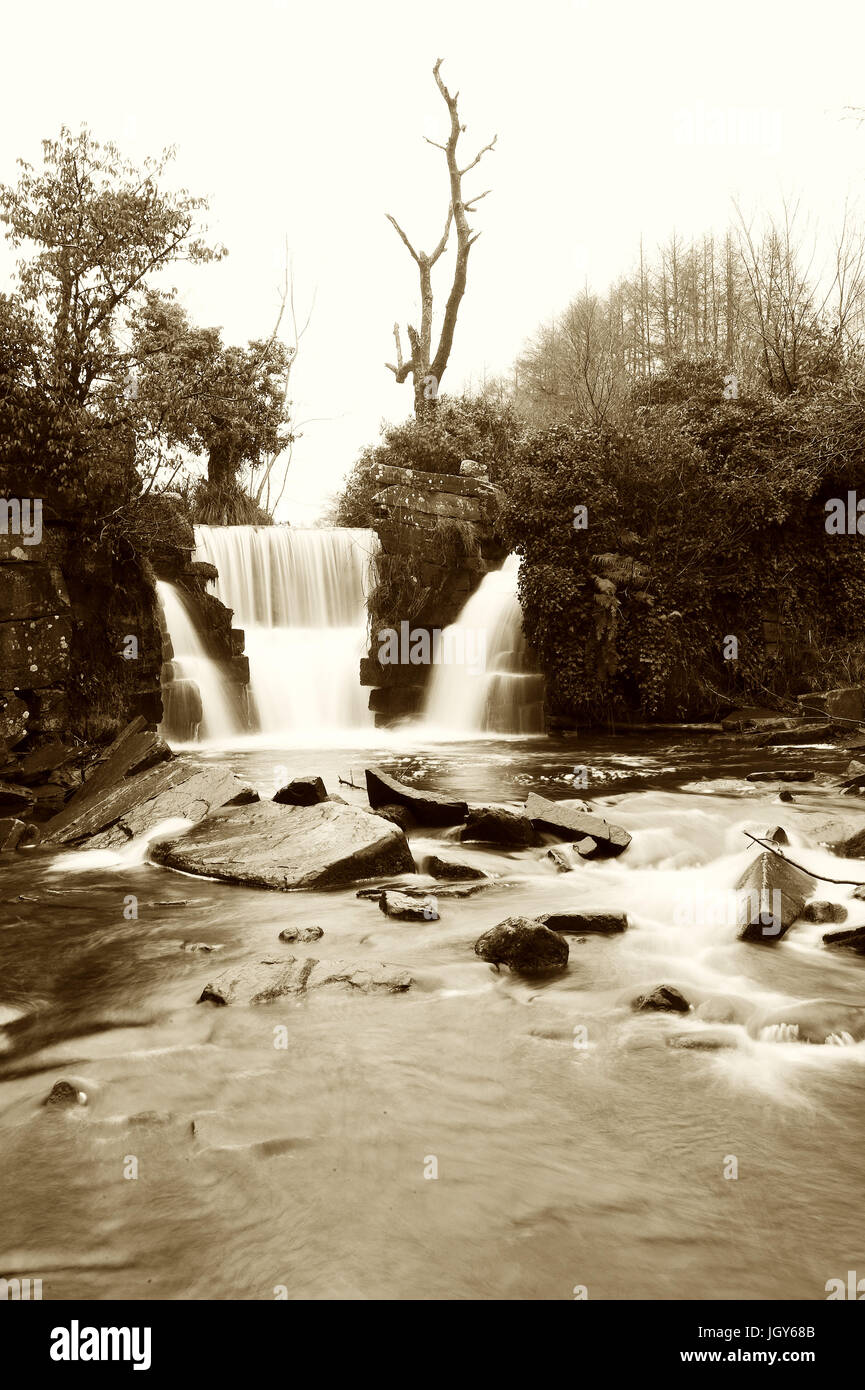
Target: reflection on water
{"type": "Point", "coordinates": [574, 1144]}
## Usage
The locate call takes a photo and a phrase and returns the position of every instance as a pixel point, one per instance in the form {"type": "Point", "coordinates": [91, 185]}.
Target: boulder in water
{"type": "Point", "coordinates": [494, 826]}
{"type": "Point", "coordinates": [302, 791]}
{"type": "Point", "coordinates": [812, 1021]}
{"type": "Point", "coordinates": [260, 982]}
{"type": "Point", "coordinates": [559, 860]}
{"type": "Point", "coordinates": [453, 869]}
{"type": "Point", "coordinates": [408, 909]}
{"type": "Point", "coordinates": [269, 846]}
{"type": "Point", "coordinates": [314, 933]}
{"type": "Point", "coordinates": [570, 821]}
{"type": "Point", "coordinates": [400, 815]}
{"type": "Point", "coordinates": [11, 832]}
{"type": "Point", "coordinates": [662, 999]}
{"type": "Point", "coordinates": [65, 1093]}
{"type": "Point", "coordinates": [783, 774]}
{"type": "Point", "coordinates": [823, 912]}
{"type": "Point", "coordinates": [601, 922]}
{"type": "Point", "coordinates": [777, 834]}
{"type": "Point", "coordinates": [851, 848]}
{"type": "Point", "coordinates": [770, 896]}
{"type": "Point", "coordinates": [851, 940]}
{"type": "Point", "coordinates": [427, 807]}
{"type": "Point", "coordinates": [701, 1040]}
{"type": "Point", "coordinates": [524, 945]}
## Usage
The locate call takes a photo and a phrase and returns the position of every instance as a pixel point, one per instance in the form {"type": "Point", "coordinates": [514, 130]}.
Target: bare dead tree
{"type": "Point", "coordinates": [268, 478]}
{"type": "Point", "coordinates": [426, 368]}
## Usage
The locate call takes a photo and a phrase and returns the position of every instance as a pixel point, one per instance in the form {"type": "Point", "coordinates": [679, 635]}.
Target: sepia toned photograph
{"type": "Point", "coordinates": [432, 665]}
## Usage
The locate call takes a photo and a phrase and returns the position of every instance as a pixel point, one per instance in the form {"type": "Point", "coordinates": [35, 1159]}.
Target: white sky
{"type": "Point", "coordinates": [615, 119]}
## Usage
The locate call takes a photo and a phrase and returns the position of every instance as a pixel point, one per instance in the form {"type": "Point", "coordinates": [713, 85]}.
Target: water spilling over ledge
{"type": "Point", "coordinates": [503, 694]}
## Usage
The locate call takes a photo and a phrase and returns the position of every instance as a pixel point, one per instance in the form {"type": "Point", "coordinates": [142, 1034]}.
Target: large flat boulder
{"type": "Point", "coordinates": [181, 791]}
{"type": "Point", "coordinates": [770, 896]}
{"type": "Point", "coordinates": [428, 808]}
{"type": "Point", "coordinates": [571, 822]}
{"type": "Point", "coordinates": [260, 982]}
{"type": "Point", "coordinates": [270, 846]}
{"type": "Point", "coordinates": [136, 750]}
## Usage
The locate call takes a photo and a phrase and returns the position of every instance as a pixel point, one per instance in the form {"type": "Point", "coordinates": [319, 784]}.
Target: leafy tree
{"type": "Point", "coordinates": [705, 519]}
{"type": "Point", "coordinates": [193, 394]}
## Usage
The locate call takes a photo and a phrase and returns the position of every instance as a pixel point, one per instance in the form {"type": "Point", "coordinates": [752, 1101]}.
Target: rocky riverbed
{"type": "Point", "coordinates": [407, 1098]}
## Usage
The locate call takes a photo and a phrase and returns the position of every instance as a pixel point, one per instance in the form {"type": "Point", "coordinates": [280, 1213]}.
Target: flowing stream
{"type": "Point", "coordinates": [573, 1142]}
{"type": "Point", "coordinates": [483, 1136]}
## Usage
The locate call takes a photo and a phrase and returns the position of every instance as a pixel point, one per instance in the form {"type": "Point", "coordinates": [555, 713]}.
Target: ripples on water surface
{"type": "Point", "coordinates": [557, 1165]}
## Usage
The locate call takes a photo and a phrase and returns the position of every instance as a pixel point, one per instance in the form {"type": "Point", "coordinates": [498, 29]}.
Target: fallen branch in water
{"type": "Point", "coordinates": [343, 783]}
{"type": "Point", "coordinates": [767, 844]}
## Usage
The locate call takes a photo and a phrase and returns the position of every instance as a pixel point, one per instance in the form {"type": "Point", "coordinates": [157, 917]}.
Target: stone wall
{"type": "Point", "coordinates": [80, 647]}
{"type": "Point", "coordinates": [223, 643]}
{"type": "Point", "coordinates": [83, 646]}
{"type": "Point", "coordinates": [438, 540]}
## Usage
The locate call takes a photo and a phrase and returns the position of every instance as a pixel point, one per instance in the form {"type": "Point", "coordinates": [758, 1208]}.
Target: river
{"type": "Point", "coordinates": [482, 1136]}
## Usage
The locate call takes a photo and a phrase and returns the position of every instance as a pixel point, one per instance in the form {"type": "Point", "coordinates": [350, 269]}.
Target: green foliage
{"type": "Point", "coordinates": [718, 505]}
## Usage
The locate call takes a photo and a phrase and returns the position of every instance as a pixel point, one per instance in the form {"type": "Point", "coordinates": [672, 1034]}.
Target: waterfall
{"type": "Point", "coordinates": [300, 597]}
{"type": "Point", "coordinates": [502, 694]}
{"type": "Point", "coordinates": [196, 701]}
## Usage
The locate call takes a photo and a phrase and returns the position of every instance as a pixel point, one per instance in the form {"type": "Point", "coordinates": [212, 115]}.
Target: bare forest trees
{"type": "Point", "coordinates": [425, 367]}
{"type": "Point", "coordinates": [754, 300]}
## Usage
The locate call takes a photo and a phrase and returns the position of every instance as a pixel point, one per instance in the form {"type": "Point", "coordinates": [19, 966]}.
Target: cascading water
{"type": "Point", "coordinates": [501, 694]}
{"type": "Point", "coordinates": [300, 597]}
{"type": "Point", "coordinates": [196, 701]}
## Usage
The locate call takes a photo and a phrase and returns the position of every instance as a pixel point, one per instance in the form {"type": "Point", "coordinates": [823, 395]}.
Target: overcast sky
{"type": "Point", "coordinates": [615, 119]}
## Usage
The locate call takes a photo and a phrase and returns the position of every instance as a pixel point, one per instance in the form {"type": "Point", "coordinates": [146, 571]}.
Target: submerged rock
{"type": "Point", "coordinates": [599, 921]}
{"type": "Point", "coordinates": [823, 912]}
{"type": "Point", "coordinates": [701, 1040]}
{"type": "Point", "coordinates": [724, 1008]}
{"type": "Point", "coordinates": [408, 909]}
{"type": "Point", "coordinates": [65, 1093]}
{"type": "Point", "coordinates": [559, 860]}
{"type": "Point", "coordinates": [783, 774]}
{"type": "Point", "coordinates": [260, 982]}
{"type": "Point", "coordinates": [524, 945]}
{"type": "Point", "coordinates": [812, 1021]}
{"type": "Point", "coordinates": [203, 948]}
{"type": "Point", "coordinates": [442, 890]}
{"type": "Point", "coordinates": [663, 999]}
{"type": "Point", "coordinates": [451, 868]}
{"type": "Point", "coordinates": [851, 848]}
{"type": "Point", "coordinates": [314, 933]}
{"type": "Point", "coordinates": [851, 940]}
{"type": "Point", "coordinates": [493, 825]}
{"type": "Point", "coordinates": [302, 791]}
{"type": "Point", "coordinates": [427, 807]}
{"type": "Point", "coordinates": [770, 896]}
{"type": "Point", "coordinates": [270, 846]}
{"type": "Point", "coordinates": [570, 822]}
